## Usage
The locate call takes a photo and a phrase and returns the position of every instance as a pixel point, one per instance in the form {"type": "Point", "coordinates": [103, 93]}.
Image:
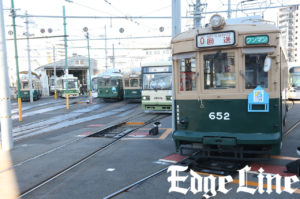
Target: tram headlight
{"type": "Point", "coordinates": [169, 98]}
{"type": "Point", "coordinates": [217, 22]}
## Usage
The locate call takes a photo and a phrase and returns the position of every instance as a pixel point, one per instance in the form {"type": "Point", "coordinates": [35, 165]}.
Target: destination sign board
{"type": "Point", "coordinates": [215, 39]}
{"type": "Point", "coordinates": [257, 39]}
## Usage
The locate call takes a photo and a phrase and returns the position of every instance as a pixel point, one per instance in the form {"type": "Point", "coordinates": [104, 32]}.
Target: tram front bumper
{"type": "Point", "coordinates": [226, 138]}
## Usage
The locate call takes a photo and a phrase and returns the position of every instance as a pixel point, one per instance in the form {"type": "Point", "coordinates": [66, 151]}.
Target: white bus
{"type": "Point", "coordinates": [294, 82]}
{"type": "Point", "coordinates": [157, 86]}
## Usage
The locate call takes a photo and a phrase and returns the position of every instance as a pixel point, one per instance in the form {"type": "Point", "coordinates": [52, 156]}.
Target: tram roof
{"type": "Point", "coordinates": [239, 28]}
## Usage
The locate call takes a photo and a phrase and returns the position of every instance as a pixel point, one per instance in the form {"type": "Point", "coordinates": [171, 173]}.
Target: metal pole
{"type": "Point", "coordinates": [29, 61]}
{"type": "Point", "coordinates": [229, 9]}
{"type": "Point", "coordinates": [113, 57]}
{"type": "Point", "coordinates": [66, 58]}
{"type": "Point", "coordinates": [90, 71]}
{"type": "Point", "coordinates": [5, 113]}
{"type": "Point", "coordinates": [54, 73]}
{"type": "Point", "coordinates": [13, 15]}
{"type": "Point", "coordinates": [176, 17]}
{"type": "Point", "coordinates": [197, 15]}
{"type": "Point", "coordinates": [105, 48]}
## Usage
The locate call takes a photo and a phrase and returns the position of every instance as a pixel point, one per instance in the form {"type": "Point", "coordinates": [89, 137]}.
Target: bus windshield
{"type": "Point", "coordinates": [295, 80]}
{"type": "Point", "coordinates": [159, 81]}
{"type": "Point", "coordinates": [71, 84]}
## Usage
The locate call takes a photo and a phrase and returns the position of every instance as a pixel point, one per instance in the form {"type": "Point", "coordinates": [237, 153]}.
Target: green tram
{"type": "Point", "coordinates": [230, 90]}
{"type": "Point", "coordinates": [25, 88]}
{"type": "Point", "coordinates": [61, 85]}
{"type": "Point", "coordinates": [157, 86]}
{"type": "Point", "coordinates": [132, 84]}
{"type": "Point", "coordinates": [110, 86]}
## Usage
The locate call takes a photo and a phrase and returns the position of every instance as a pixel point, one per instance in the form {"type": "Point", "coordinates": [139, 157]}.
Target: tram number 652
{"type": "Point", "coordinates": [219, 116]}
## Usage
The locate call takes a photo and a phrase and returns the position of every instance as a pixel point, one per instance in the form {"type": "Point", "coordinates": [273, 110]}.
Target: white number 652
{"type": "Point", "coordinates": [219, 116]}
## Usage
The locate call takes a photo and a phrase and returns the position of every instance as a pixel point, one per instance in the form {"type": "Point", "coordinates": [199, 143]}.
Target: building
{"type": "Point", "coordinates": [77, 65]}
{"type": "Point", "coordinates": [289, 24]}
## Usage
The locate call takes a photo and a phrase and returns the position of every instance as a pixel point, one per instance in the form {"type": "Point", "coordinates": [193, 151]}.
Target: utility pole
{"type": "Point", "coordinates": [29, 60]}
{"type": "Point", "coordinates": [13, 15]}
{"type": "Point", "coordinates": [89, 61]}
{"type": "Point", "coordinates": [176, 17]}
{"type": "Point", "coordinates": [5, 113]}
{"type": "Point", "coordinates": [66, 59]}
{"type": "Point", "coordinates": [105, 47]}
{"type": "Point", "coordinates": [54, 73]}
{"type": "Point", "coordinates": [229, 9]}
{"type": "Point", "coordinates": [113, 56]}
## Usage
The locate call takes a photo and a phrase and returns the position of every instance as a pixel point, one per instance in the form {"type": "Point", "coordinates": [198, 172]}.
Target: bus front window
{"type": "Point", "coordinates": [295, 80]}
{"type": "Point", "coordinates": [159, 81]}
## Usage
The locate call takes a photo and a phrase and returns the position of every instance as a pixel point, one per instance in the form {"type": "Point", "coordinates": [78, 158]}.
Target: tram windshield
{"type": "Point", "coordinates": [72, 83]}
{"type": "Point", "coordinates": [108, 82]}
{"type": "Point", "coordinates": [134, 82]}
{"type": "Point", "coordinates": [255, 74]}
{"type": "Point", "coordinates": [158, 81]}
{"type": "Point", "coordinates": [219, 71]}
{"type": "Point", "coordinates": [25, 85]}
{"type": "Point", "coordinates": [295, 80]}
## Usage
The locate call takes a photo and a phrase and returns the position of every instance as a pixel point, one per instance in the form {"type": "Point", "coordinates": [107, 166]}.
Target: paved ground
{"type": "Point", "coordinates": [56, 146]}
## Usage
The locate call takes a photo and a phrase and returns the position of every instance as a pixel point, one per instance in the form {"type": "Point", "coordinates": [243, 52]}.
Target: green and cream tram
{"type": "Point", "coordinates": [61, 86]}
{"type": "Point", "coordinates": [25, 88]}
{"type": "Point", "coordinates": [230, 89]}
{"type": "Point", "coordinates": [132, 84]}
{"type": "Point", "coordinates": [157, 86]}
{"type": "Point", "coordinates": [110, 86]}
{"type": "Point", "coordinates": [294, 82]}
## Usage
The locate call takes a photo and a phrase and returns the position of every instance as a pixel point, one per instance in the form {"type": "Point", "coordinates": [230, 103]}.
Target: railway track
{"type": "Point", "coordinates": [119, 126]}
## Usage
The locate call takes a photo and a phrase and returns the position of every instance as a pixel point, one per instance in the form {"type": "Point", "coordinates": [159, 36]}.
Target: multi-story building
{"type": "Point", "coordinates": [289, 24]}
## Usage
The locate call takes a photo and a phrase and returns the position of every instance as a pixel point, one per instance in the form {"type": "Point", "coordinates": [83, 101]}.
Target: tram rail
{"type": "Point", "coordinates": [92, 154]}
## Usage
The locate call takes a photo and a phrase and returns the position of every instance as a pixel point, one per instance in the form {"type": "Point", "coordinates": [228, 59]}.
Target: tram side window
{"type": "Point", "coordinates": [255, 74]}
{"type": "Point", "coordinates": [219, 71]}
{"type": "Point", "coordinates": [188, 74]}
{"type": "Point", "coordinates": [126, 82]}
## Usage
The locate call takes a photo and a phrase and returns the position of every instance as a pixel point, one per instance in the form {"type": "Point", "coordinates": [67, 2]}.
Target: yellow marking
{"type": "Point", "coordinates": [249, 183]}
{"type": "Point", "coordinates": [165, 134]}
{"type": "Point", "coordinates": [162, 137]}
{"type": "Point", "coordinates": [135, 123]}
{"type": "Point", "coordinates": [20, 109]}
{"type": "Point", "coordinates": [91, 97]}
{"type": "Point", "coordinates": [284, 158]}
{"type": "Point", "coordinates": [67, 99]}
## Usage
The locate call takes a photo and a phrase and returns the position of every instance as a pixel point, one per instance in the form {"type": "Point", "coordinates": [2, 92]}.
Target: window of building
{"type": "Point", "coordinates": [187, 74]}
{"type": "Point", "coordinates": [219, 71]}
{"type": "Point", "coordinates": [255, 74]}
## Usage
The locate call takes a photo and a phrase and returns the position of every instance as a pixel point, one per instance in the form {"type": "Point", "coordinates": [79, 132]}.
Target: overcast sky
{"type": "Point", "coordinates": [41, 49]}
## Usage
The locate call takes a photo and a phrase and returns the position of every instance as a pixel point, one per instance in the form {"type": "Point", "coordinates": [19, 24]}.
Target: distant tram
{"type": "Point", "coordinates": [230, 90]}
{"type": "Point", "coordinates": [61, 86]}
{"type": "Point", "coordinates": [132, 84]}
{"type": "Point", "coordinates": [25, 88]}
{"type": "Point", "coordinates": [110, 86]}
{"type": "Point", "coordinates": [157, 87]}
{"type": "Point", "coordinates": [294, 82]}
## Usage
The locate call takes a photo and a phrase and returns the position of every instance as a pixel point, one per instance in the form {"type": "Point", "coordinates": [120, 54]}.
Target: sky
{"type": "Point", "coordinates": [41, 52]}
